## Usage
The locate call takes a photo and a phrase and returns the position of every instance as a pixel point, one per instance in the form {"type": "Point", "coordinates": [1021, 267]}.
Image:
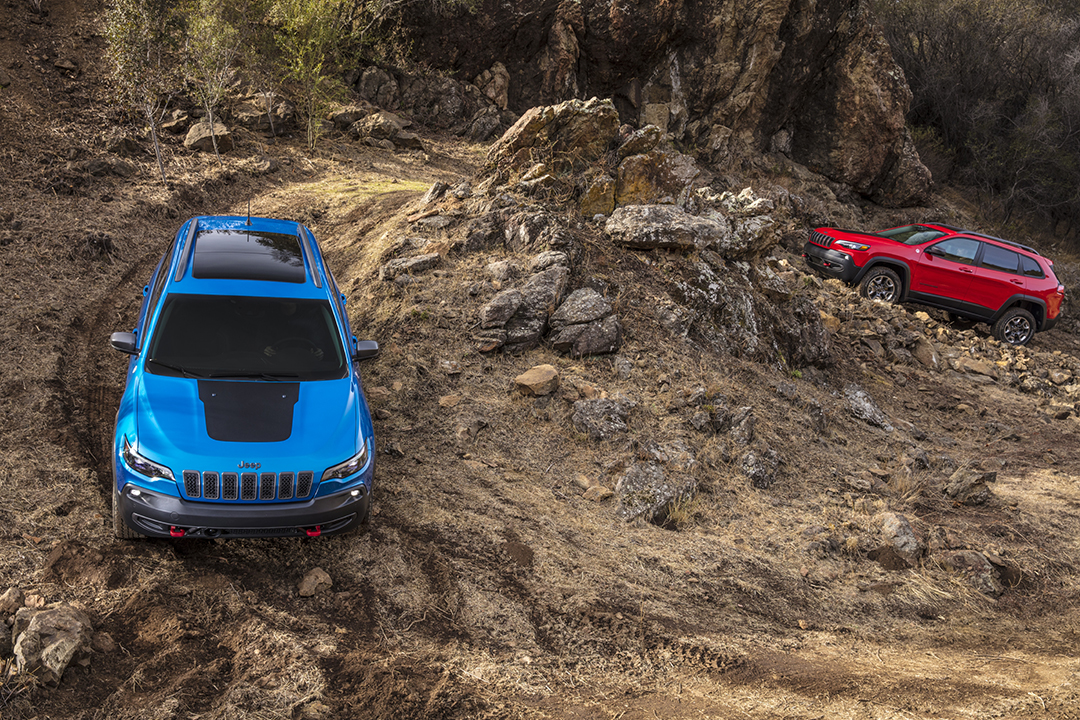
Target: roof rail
{"type": "Point", "coordinates": [1003, 240]}
{"type": "Point", "coordinates": [185, 250]}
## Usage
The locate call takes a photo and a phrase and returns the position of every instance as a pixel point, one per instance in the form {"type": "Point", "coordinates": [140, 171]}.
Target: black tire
{"type": "Point", "coordinates": [1016, 326]}
{"type": "Point", "coordinates": [881, 283]}
{"type": "Point", "coordinates": [120, 528]}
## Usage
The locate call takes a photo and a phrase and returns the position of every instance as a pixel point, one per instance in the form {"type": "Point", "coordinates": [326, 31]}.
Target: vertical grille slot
{"type": "Point", "coordinates": [229, 487]}
{"type": "Point", "coordinates": [267, 491]}
{"type": "Point", "coordinates": [285, 486]}
{"type": "Point", "coordinates": [249, 486]}
{"type": "Point", "coordinates": [191, 484]}
{"type": "Point", "coordinates": [303, 483]}
{"type": "Point", "coordinates": [210, 485]}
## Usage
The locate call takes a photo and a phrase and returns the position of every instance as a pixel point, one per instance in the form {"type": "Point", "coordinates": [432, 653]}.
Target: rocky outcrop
{"type": "Point", "coordinates": [812, 79]}
{"type": "Point", "coordinates": [474, 110]}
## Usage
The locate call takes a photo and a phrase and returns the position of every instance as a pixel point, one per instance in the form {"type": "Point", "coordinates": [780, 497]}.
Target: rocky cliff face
{"type": "Point", "coordinates": [813, 79]}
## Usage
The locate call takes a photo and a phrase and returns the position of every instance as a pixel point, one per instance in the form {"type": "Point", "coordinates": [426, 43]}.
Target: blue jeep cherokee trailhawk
{"type": "Point", "coordinates": [243, 413]}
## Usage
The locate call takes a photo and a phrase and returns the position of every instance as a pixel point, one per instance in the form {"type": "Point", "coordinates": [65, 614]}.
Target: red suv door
{"type": "Point", "coordinates": [945, 269]}
{"type": "Point", "coordinates": [997, 277]}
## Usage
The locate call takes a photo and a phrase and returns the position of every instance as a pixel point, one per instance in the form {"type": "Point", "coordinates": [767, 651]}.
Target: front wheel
{"type": "Point", "coordinates": [1016, 326]}
{"type": "Point", "coordinates": [881, 283]}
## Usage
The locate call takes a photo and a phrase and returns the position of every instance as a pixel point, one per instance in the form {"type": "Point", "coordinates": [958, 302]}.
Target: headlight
{"type": "Point", "coordinates": [847, 244]}
{"type": "Point", "coordinates": [141, 465]}
{"type": "Point", "coordinates": [347, 468]}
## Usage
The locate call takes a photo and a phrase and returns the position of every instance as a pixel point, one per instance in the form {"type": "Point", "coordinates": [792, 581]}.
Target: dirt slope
{"type": "Point", "coordinates": [487, 586]}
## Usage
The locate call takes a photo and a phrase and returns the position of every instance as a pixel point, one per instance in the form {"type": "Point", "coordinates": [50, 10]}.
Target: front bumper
{"type": "Point", "coordinates": [157, 515]}
{"type": "Point", "coordinates": [830, 263]}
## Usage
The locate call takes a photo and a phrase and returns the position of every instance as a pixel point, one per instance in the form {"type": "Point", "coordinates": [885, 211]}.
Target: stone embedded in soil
{"type": "Point", "coordinates": [315, 582]}
{"type": "Point", "coordinates": [600, 418]}
{"type": "Point", "coordinates": [903, 546]}
{"type": "Point", "coordinates": [976, 569]}
{"type": "Point", "coordinates": [408, 265]}
{"type": "Point", "coordinates": [11, 601]}
{"type": "Point", "coordinates": [968, 486]}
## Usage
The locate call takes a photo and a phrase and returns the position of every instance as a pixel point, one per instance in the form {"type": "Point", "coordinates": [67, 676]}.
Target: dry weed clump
{"type": "Point", "coordinates": [16, 689]}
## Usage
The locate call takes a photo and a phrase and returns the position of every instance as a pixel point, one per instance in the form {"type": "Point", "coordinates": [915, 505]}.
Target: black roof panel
{"type": "Point", "coordinates": [248, 255]}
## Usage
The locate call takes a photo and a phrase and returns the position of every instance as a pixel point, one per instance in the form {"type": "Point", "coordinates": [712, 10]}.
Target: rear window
{"type": "Point", "coordinates": [1031, 267]}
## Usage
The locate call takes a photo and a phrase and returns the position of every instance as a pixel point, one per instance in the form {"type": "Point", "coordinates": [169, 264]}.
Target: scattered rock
{"type": "Point", "coordinates": [577, 132]}
{"type": "Point", "coordinates": [46, 640]}
{"type": "Point", "coordinates": [658, 177]}
{"type": "Point", "coordinates": [649, 227]}
{"type": "Point", "coordinates": [11, 601]}
{"type": "Point", "coordinates": [599, 197]}
{"type": "Point", "coordinates": [538, 381]}
{"type": "Point", "coordinates": [761, 467]}
{"type": "Point", "coordinates": [408, 266]}
{"type": "Point", "coordinates": [597, 493]}
{"type": "Point", "coordinates": [968, 486]}
{"type": "Point", "coordinates": [596, 338]}
{"type": "Point", "coordinates": [864, 408]}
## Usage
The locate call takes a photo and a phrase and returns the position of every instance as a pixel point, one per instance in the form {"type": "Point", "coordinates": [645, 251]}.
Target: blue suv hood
{"type": "Point", "coordinates": [214, 425]}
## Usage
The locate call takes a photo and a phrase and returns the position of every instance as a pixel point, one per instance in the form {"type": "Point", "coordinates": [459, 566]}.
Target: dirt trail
{"type": "Point", "coordinates": [486, 586]}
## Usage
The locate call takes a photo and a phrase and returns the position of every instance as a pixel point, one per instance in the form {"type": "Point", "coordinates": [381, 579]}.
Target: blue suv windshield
{"type": "Point", "coordinates": [221, 336]}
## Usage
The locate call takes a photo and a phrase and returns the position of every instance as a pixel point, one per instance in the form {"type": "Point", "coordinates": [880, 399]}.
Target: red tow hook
{"type": "Point", "coordinates": [314, 532]}
{"type": "Point", "coordinates": [177, 532]}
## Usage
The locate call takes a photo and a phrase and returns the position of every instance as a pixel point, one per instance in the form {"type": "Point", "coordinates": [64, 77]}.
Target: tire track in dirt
{"type": "Point", "coordinates": [88, 399]}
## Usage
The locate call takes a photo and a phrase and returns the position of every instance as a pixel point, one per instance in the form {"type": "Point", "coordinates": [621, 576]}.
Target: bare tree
{"type": "Point", "coordinates": [310, 32]}
{"type": "Point", "coordinates": [140, 33]}
{"type": "Point", "coordinates": [211, 45]}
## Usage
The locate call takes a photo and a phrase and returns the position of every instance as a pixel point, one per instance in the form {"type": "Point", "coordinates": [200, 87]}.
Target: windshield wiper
{"type": "Point", "coordinates": [175, 368]}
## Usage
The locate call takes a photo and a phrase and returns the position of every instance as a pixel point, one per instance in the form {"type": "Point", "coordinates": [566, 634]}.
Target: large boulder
{"type": "Point", "coordinates": [577, 132]}
{"type": "Point", "coordinates": [201, 138]}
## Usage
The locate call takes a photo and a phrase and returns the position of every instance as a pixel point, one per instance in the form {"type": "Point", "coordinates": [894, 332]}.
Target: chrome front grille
{"type": "Point", "coordinates": [820, 239]}
{"type": "Point", "coordinates": [262, 487]}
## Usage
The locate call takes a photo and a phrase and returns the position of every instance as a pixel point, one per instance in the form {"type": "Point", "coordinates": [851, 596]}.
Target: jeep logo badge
{"type": "Point", "coordinates": [253, 466]}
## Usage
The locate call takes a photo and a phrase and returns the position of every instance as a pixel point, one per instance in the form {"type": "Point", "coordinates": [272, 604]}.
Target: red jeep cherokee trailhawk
{"type": "Point", "coordinates": [1010, 286]}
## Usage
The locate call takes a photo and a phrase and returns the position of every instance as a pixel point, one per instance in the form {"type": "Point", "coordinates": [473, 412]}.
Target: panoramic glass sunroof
{"type": "Point", "coordinates": [248, 255]}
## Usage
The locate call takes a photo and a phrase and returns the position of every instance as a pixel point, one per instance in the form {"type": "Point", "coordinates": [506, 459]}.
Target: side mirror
{"type": "Point", "coordinates": [935, 251]}
{"type": "Point", "coordinates": [366, 349]}
{"type": "Point", "coordinates": [124, 342]}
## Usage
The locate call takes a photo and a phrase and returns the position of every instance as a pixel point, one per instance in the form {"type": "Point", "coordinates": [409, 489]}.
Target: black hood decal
{"type": "Point", "coordinates": [248, 411]}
